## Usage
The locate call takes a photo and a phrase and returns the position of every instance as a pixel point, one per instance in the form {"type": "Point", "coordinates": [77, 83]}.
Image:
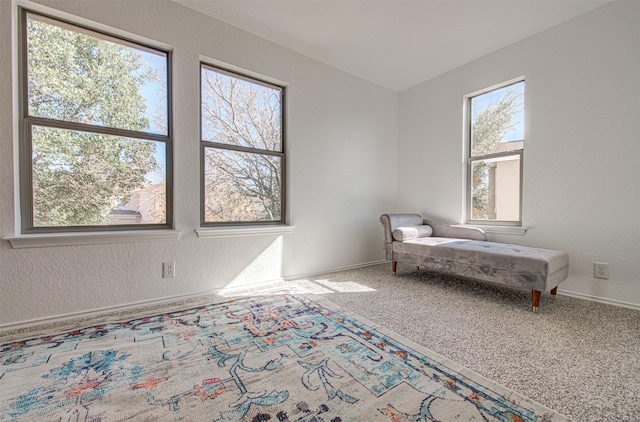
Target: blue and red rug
{"type": "Point", "coordinates": [282, 357]}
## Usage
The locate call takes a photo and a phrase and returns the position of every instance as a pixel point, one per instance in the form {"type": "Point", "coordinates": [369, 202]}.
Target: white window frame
{"type": "Point", "coordinates": [495, 226]}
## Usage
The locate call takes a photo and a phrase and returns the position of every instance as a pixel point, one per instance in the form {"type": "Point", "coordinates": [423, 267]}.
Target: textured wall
{"type": "Point", "coordinates": [342, 144]}
{"type": "Point", "coordinates": [582, 143]}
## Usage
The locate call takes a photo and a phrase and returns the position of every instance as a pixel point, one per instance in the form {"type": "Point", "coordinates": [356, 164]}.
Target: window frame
{"type": "Point", "coordinates": [27, 122]}
{"type": "Point", "coordinates": [469, 159]}
{"type": "Point", "coordinates": [204, 145]}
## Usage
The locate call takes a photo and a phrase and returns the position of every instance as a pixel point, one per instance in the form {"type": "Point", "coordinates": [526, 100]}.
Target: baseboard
{"type": "Point", "coordinates": [75, 316]}
{"type": "Point", "coordinates": [61, 319]}
{"type": "Point", "coordinates": [600, 299]}
{"type": "Point", "coordinates": [335, 270]}
{"type": "Point", "coordinates": [96, 312]}
{"type": "Point", "coordinates": [115, 309]}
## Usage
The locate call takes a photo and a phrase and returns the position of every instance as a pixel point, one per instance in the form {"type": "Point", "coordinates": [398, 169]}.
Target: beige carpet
{"type": "Point", "coordinates": [578, 357]}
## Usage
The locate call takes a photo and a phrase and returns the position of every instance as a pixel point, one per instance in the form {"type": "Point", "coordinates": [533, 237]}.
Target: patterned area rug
{"type": "Point", "coordinates": [281, 357]}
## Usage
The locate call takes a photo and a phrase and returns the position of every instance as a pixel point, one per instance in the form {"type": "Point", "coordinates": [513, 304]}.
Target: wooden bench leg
{"type": "Point", "coordinates": [394, 264]}
{"type": "Point", "coordinates": [535, 300]}
{"type": "Point", "coordinates": [553, 293]}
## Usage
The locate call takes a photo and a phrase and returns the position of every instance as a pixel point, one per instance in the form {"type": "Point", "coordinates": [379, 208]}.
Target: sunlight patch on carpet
{"type": "Point", "coordinates": [300, 286]}
{"type": "Point", "coordinates": [344, 286]}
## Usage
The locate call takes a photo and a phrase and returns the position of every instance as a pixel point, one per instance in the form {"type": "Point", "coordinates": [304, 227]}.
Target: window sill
{"type": "Point", "coordinates": [205, 233]}
{"type": "Point", "coordinates": [94, 238]}
{"type": "Point", "coordinates": [518, 231]}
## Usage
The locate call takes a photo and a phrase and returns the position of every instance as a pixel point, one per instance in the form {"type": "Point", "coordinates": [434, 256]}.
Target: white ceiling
{"type": "Point", "coordinates": [397, 43]}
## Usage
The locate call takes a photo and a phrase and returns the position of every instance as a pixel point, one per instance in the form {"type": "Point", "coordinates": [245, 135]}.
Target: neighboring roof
{"type": "Point", "coordinates": [508, 146]}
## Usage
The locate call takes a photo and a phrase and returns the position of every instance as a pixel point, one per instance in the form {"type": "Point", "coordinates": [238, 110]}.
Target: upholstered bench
{"type": "Point", "coordinates": [466, 252]}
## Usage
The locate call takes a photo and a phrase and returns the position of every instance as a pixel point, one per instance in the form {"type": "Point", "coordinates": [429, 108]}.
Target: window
{"type": "Point", "coordinates": [242, 149]}
{"type": "Point", "coordinates": [95, 139]}
{"type": "Point", "coordinates": [495, 148]}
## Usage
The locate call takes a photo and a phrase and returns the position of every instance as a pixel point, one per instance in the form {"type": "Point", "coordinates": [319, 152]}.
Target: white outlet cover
{"type": "Point", "coordinates": [168, 270]}
{"type": "Point", "coordinates": [601, 270]}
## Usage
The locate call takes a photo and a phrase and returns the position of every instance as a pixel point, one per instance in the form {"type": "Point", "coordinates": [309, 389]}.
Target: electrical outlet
{"type": "Point", "coordinates": [168, 270]}
{"type": "Point", "coordinates": [601, 270]}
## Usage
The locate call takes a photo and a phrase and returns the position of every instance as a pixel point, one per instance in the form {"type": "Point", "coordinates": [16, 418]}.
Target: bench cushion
{"type": "Point", "coordinates": [519, 266]}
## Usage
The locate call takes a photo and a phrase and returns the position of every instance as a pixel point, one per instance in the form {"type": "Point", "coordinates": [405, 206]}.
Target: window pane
{"type": "Point", "coordinates": [241, 186]}
{"type": "Point", "coordinates": [242, 113]}
{"type": "Point", "coordinates": [82, 178]}
{"type": "Point", "coordinates": [495, 189]}
{"type": "Point", "coordinates": [497, 121]}
{"type": "Point", "coordinates": [77, 75]}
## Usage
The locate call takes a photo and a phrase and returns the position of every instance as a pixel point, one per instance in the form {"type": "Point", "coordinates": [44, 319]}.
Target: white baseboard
{"type": "Point", "coordinates": [58, 319]}
{"type": "Point", "coordinates": [600, 299]}
{"type": "Point", "coordinates": [61, 319]}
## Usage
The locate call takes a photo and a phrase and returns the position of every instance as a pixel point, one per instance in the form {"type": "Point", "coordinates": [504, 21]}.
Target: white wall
{"type": "Point", "coordinates": [342, 145]}
{"type": "Point", "coordinates": [582, 144]}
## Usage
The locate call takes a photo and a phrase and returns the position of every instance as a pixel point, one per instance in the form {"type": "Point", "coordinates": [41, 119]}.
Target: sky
{"type": "Point", "coordinates": [155, 97]}
{"type": "Point", "coordinates": [481, 101]}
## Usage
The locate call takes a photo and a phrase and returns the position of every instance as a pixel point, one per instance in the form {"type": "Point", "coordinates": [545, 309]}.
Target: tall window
{"type": "Point", "coordinates": [243, 160]}
{"type": "Point", "coordinates": [494, 161]}
{"type": "Point", "coordinates": [96, 135]}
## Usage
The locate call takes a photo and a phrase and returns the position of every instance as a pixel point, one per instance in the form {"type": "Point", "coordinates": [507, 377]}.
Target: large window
{"type": "Point", "coordinates": [495, 147]}
{"type": "Point", "coordinates": [96, 141]}
{"type": "Point", "coordinates": [243, 160]}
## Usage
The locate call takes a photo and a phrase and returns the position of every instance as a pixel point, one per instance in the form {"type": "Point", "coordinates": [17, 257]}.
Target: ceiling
{"type": "Point", "coordinates": [396, 44]}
